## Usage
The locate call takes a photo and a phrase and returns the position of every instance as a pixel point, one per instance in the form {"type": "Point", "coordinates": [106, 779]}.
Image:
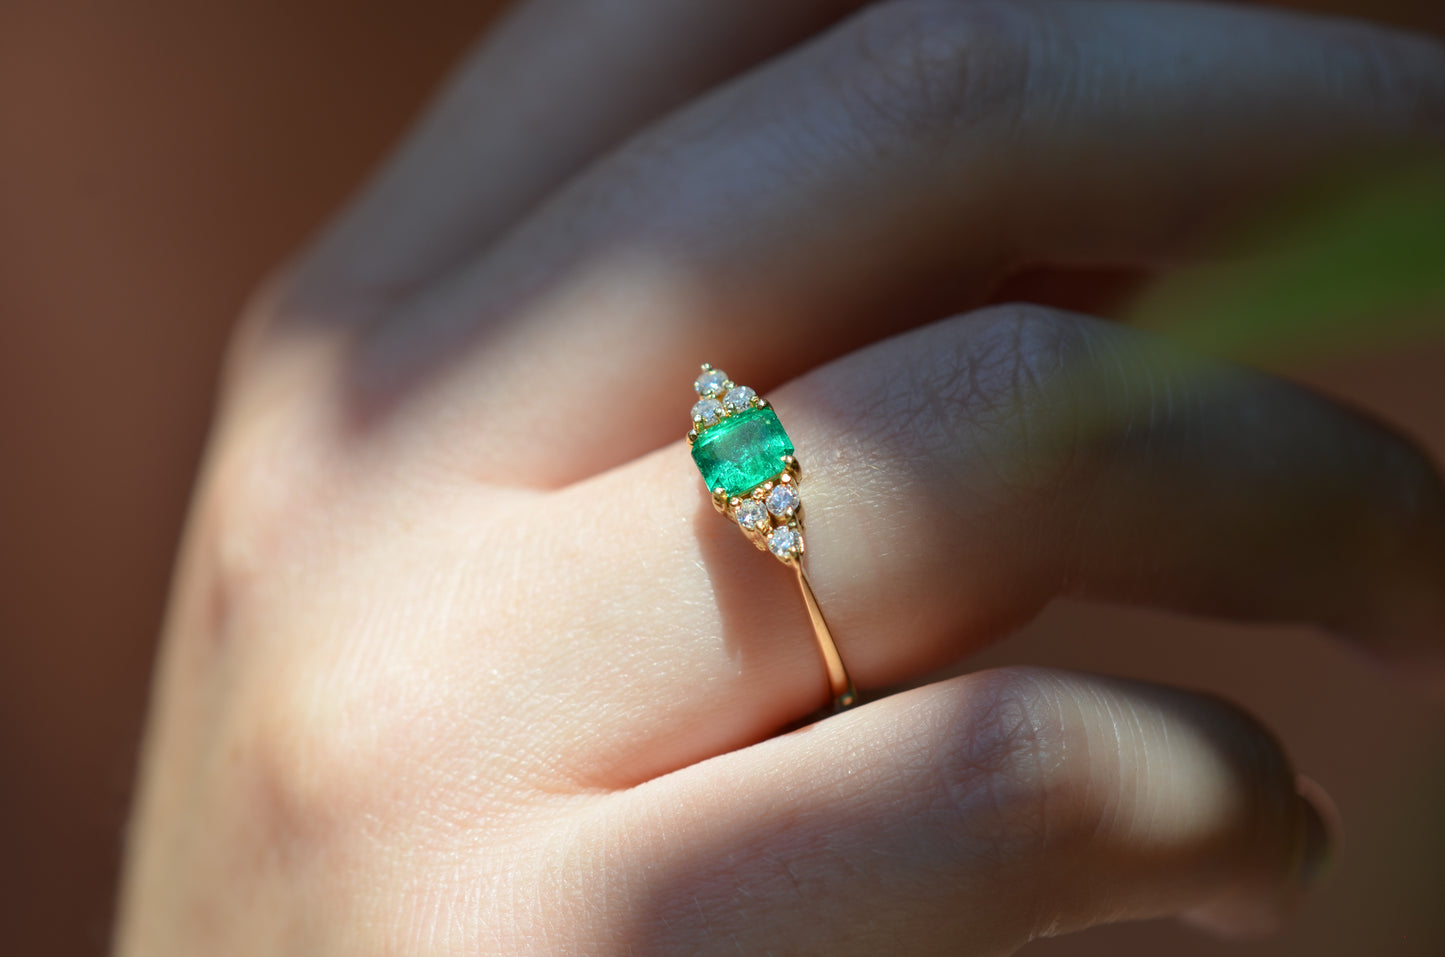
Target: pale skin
{"type": "Point", "coordinates": [460, 658]}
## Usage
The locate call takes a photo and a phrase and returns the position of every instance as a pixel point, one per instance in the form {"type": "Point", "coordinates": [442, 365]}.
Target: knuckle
{"type": "Point", "coordinates": [1011, 394]}
{"type": "Point", "coordinates": [933, 70]}
{"type": "Point", "coordinates": [1047, 402]}
{"type": "Point", "coordinates": [294, 318]}
{"type": "Point", "coordinates": [269, 327]}
{"type": "Point", "coordinates": [1049, 768]}
{"type": "Point", "coordinates": [294, 767]}
{"type": "Point", "coordinates": [1000, 791]}
{"type": "Point", "coordinates": [260, 509]}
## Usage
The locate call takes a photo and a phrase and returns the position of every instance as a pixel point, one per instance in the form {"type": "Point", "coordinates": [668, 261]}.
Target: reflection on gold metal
{"type": "Point", "coordinates": [841, 686]}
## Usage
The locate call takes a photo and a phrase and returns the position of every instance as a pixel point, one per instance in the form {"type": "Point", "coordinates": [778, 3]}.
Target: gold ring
{"type": "Point", "coordinates": [746, 460]}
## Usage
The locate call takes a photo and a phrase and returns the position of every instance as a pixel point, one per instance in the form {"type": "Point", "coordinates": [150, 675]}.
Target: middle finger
{"type": "Point", "coordinates": [887, 173]}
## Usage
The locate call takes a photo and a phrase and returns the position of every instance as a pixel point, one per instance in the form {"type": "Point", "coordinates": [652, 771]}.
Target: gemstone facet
{"type": "Point", "coordinates": [742, 451]}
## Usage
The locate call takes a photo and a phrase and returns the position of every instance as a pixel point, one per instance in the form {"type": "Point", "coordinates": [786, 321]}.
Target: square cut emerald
{"type": "Point", "coordinates": [742, 451]}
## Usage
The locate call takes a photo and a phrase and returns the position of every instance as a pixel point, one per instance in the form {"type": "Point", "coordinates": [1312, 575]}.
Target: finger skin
{"type": "Point", "coordinates": [979, 813]}
{"type": "Point", "coordinates": [890, 172]}
{"type": "Point", "coordinates": [551, 87]}
{"type": "Point", "coordinates": [957, 478]}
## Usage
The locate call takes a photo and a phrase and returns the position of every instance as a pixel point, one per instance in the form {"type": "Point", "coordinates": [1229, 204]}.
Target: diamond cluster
{"type": "Point", "coordinates": [770, 516]}
{"type": "Point", "coordinates": [746, 458]}
{"type": "Point", "coordinates": [719, 397]}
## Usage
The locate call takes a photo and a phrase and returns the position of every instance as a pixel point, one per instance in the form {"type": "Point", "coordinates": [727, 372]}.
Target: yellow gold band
{"type": "Point", "coordinates": [839, 684]}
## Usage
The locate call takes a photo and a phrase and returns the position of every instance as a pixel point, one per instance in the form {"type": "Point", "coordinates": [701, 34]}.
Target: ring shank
{"type": "Point", "coordinates": [840, 686]}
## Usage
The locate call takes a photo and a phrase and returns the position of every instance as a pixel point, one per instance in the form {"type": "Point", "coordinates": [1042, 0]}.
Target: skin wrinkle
{"type": "Point", "coordinates": [925, 405]}
{"type": "Point", "coordinates": [994, 786]}
{"type": "Point", "coordinates": [834, 874]}
{"type": "Point", "coordinates": [936, 73]}
{"type": "Point", "coordinates": [1136, 764]}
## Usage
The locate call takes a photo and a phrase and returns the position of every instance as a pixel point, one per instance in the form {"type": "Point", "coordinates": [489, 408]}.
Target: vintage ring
{"type": "Point", "coordinates": [746, 460]}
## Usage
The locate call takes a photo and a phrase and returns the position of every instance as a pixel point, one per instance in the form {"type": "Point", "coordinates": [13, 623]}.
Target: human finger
{"type": "Point", "coordinates": [969, 816]}
{"type": "Point", "coordinates": [548, 89]}
{"type": "Point", "coordinates": [956, 479]}
{"type": "Point", "coordinates": [553, 85]}
{"type": "Point", "coordinates": [888, 172]}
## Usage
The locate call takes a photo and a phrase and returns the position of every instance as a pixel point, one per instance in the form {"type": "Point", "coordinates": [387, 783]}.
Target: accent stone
{"type": "Point", "coordinates": [752, 514]}
{"type": "Point", "coordinates": [711, 383]}
{"type": "Point", "coordinates": [742, 451]}
{"type": "Point", "coordinates": [739, 398]}
{"type": "Point", "coordinates": [707, 411]}
{"type": "Point", "coordinates": [783, 501]}
{"type": "Point", "coordinates": [785, 541]}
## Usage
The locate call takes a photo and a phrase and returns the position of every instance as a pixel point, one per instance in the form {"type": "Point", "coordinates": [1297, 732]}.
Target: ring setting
{"type": "Point", "coordinates": [748, 465]}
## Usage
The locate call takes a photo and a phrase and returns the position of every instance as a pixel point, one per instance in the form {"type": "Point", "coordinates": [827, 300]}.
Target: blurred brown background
{"type": "Point", "coordinates": [156, 158]}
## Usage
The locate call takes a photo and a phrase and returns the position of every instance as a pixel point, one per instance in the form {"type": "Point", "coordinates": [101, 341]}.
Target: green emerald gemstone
{"type": "Point", "coordinates": [742, 451]}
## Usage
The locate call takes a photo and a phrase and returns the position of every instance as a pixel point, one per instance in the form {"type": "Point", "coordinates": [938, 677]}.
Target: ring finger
{"type": "Point", "coordinates": [954, 480]}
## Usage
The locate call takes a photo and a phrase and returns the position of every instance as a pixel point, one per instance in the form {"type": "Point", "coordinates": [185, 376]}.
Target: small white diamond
{"type": "Point", "coordinates": [784, 542]}
{"type": "Point", "coordinates": [707, 411]}
{"type": "Point", "coordinates": [783, 501]}
{"type": "Point", "coordinates": [752, 514]}
{"type": "Point", "coordinates": [739, 398]}
{"type": "Point", "coordinates": [711, 383]}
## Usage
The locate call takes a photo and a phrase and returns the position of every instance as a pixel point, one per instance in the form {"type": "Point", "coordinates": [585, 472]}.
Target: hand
{"type": "Point", "coordinates": [460, 660]}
